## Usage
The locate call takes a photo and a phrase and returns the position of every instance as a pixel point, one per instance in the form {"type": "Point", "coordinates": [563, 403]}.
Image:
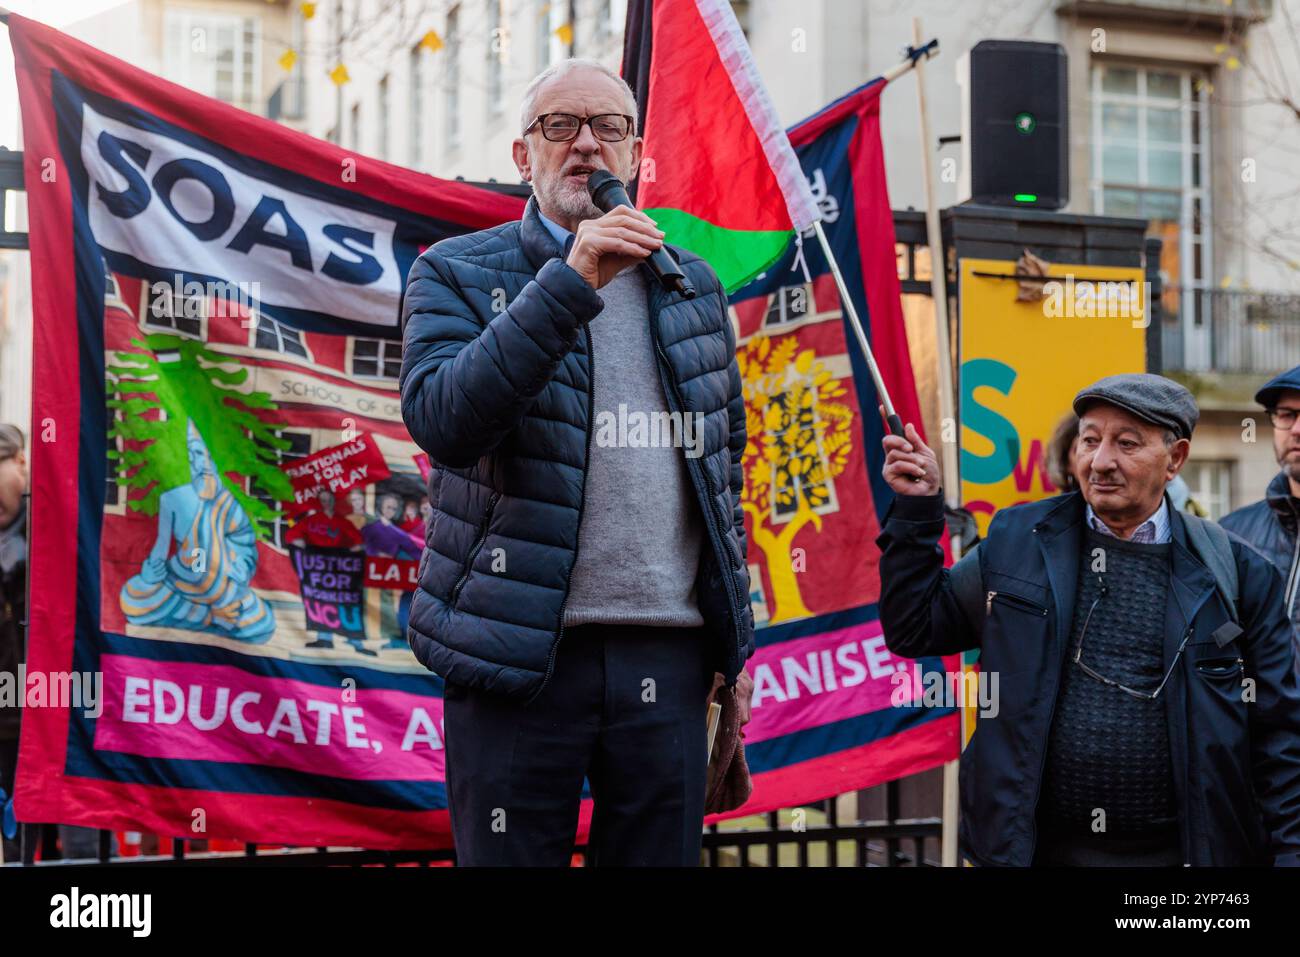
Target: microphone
{"type": "Point", "coordinates": [607, 191]}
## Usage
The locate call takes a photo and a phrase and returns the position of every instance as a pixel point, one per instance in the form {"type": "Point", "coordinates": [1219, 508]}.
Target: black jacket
{"type": "Point", "coordinates": [501, 398]}
{"type": "Point", "coordinates": [1236, 765]}
{"type": "Point", "coordinates": [13, 613]}
{"type": "Point", "coordinates": [1270, 526]}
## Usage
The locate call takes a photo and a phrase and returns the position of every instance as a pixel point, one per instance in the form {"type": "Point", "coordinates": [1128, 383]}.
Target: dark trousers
{"type": "Point", "coordinates": [8, 771]}
{"type": "Point", "coordinates": [625, 708]}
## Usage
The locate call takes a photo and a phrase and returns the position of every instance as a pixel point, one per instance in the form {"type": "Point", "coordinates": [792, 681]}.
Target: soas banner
{"type": "Point", "coordinates": [228, 513]}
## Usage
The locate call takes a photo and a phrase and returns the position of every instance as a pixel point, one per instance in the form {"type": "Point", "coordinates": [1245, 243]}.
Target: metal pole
{"type": "Point", "coordinates": [895, 424]}
{"type": "Point", "coordinates": [917, 54]}
{"type": "Point", "coordinates": [947, 413]}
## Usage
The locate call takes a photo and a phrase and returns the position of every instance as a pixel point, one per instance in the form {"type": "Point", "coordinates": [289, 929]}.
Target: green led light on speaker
{"type": "Point", "coordinates": [1026, 197]}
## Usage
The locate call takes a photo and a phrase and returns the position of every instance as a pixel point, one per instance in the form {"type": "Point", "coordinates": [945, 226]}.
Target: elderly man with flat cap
{"type": "Point", "coordinates": [1148, 710]}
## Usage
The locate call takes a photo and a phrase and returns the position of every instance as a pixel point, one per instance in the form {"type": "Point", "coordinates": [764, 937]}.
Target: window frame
{"type": "Point", "coordinates": [150, 322]}
{"type": "Point", "coordinates": [1195, 216]}
{"type": "Point", "coordinates": [1224, 470]}
{"type": "Point", "coordinates": [415, 93]}
{"type": "Point", "coordinates": [278, 329]}
{"type": "Point", "coordinates": [381, 358]}
{"type": "Point", "coordinates": [451, 82]}
{"type": "Point", "coordinates": [246, 65]}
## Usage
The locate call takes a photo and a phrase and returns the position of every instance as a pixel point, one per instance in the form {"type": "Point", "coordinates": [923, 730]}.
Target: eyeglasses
{"type": "Point", "coordinates": [1143, 695]}
{"type": "Point", "coordinates": [563, 127]}
{"type": "Point", "coordinates": [1283, 417]}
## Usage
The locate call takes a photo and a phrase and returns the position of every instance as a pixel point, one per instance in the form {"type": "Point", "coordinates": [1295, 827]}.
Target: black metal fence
{"type": "Point", "coordinates": [808, 836]}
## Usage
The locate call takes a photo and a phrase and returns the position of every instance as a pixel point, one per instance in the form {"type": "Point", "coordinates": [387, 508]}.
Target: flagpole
{"type": "Point", "coordinates": [916, 53]}
{"type": "Point", "coordinates": [947, 414]}
{"type": "Point", "coordinates": [895, 423]}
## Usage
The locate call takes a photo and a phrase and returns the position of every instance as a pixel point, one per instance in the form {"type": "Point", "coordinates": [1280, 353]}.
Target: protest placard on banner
{"type": "Point", "coordinates": [332, 585]}
{"type": "Point", "coordinates": [352, 463]}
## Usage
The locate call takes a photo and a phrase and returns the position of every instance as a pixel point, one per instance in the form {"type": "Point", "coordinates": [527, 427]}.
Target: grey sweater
{"type": "Point", "coordinates": [641, 533]}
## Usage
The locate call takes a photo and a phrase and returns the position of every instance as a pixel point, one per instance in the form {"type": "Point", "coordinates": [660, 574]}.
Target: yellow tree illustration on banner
{"type": "Point", "coordinates": [799, 440]}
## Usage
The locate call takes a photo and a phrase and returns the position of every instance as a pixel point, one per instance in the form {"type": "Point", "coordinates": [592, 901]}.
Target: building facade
{"type": "Point", "coordinates": [1179, 113]}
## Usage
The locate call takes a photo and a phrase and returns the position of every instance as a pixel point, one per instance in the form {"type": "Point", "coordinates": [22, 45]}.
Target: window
{"type": "Point", "coordinates": [292, 93]}
{"type": "Point", "coordinates": [789, 304]}
{"type": "Point", "coordinates": [216, 55]}
{"type": "Point", "coordinates": [1210, 485]}
{"type": "Point", "coordinates": [545, 34]}
{"type": "Point", "coordinates": [112, 291]}
{"type": "Point", "coordinates": [451, 84]}
{"type": "Point", "coordinates": [416, 93]}
{"type": "Point", "coordinates": [276, 336]}
{"type": "Point", "coordinates": [112, 491]}
{"type": "Point", "coordinates": [548, 16]}
{"type": "Point", "coordinates": [299, 447]}
{"type": "Point", "coordinates": [181, 314]}
{"type": "Point", "coordinates": [1151, 160]}
{"type": "Point", "coordinates": [496, 54]}
{"type": "Point", "coordinates": [376, 358]}
{"type": "Point", "coordinates": [382, 150]}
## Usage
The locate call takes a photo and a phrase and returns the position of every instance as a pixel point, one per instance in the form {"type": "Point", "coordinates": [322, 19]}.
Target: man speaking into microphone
{"type": "Point", "coordinates": [582, 581]}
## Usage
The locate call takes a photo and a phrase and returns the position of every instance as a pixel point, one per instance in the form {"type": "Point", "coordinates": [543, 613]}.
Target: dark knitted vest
{"type": "Point", "coordinates": [1107, 749]}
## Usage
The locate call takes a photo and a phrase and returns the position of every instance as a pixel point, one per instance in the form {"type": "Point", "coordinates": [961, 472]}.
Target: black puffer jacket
{"type": "Point", "coordinates": [1271, 526]}
{"type": "Point", "coordinates": [496, 386]}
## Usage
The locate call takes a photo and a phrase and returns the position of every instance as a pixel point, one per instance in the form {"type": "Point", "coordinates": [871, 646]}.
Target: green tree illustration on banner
{"type": "Point", "coordinates": [153, 393]}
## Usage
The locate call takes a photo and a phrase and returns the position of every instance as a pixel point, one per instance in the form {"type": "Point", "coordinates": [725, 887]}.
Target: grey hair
{"type": "Point", "coordinates": [527, 110]}
{"type": "Point", "coordinates": [11, 441]}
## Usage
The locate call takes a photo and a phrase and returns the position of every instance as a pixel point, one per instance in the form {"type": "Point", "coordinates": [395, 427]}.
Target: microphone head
{"type": "Point", "coordinates": [600, 185]}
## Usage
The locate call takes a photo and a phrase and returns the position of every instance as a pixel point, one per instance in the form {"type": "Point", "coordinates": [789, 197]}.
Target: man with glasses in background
{"type": "Point", "coordinates": [1272, 525]}
{"type": "Point", "coordinates": [1148, 710]}
{"type": "Point", "coordinates": [576, 596]}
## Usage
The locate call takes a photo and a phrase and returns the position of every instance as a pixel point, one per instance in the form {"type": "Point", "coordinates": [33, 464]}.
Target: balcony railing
{"type": "Point", "coordinates": [1214, 330]}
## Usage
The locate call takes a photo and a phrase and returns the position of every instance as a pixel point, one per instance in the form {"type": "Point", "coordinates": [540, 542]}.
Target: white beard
{"type": "Point", "coordinates": [555, 195]}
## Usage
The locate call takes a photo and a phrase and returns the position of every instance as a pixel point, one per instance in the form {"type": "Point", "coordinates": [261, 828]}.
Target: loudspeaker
{"type": "Point", "coordinates": [1015, 130]}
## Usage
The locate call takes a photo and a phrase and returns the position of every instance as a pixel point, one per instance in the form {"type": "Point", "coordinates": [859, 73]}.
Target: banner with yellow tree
{"type": "Point", "coordinates": [833, 709]}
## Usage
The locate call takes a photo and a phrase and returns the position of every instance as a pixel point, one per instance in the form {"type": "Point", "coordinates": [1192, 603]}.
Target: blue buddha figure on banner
{"type": "Point", "coordinates": [206, 584]}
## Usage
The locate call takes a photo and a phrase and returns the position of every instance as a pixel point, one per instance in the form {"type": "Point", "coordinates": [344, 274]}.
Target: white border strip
{"type": "Point", "coordinates": [736, 59]}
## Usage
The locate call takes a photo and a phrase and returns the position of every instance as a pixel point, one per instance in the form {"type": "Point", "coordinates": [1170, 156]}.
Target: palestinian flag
{"type": "Point", "coordinates": [718, 173]}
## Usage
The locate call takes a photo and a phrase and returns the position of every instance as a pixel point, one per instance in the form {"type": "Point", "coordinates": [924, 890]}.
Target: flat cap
{"type": "Point", "coordinates": [1150, 397]}
{"type": "Point", "coordinates": [1273, 388]}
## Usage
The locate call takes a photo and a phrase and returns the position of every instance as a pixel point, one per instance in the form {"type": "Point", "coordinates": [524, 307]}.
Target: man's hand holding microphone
{"type": "Point", "coordinates": [604, 247]}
